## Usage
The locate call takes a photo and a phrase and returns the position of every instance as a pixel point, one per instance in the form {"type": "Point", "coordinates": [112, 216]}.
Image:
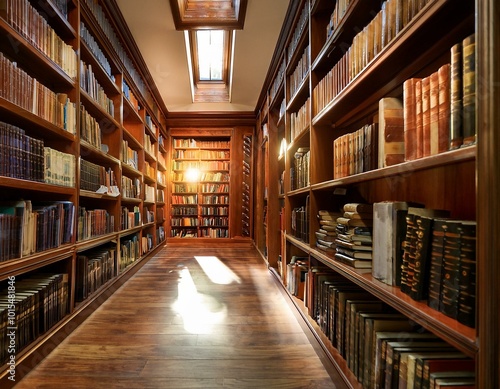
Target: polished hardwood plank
{"type": "Point", "coordinates": [174, 324]}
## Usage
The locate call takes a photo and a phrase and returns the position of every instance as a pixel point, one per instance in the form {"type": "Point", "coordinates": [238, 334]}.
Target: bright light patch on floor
{"type": "Point", "coordinates": [217, 271]}
{"type": "Point", "coordinates": [200, 312]}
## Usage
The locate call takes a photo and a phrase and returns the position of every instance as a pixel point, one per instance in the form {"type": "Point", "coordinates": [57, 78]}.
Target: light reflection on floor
{"type": "Point", "coordinates": [200, 312]}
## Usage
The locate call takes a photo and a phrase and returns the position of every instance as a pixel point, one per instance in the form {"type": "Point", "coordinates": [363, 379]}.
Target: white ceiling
{"type": "Point", "coordinates": [164, 51]}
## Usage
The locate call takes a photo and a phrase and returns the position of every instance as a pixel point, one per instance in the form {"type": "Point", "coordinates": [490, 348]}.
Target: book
{"type": "Point", "coordinates": [388, 234]}
{"type": "Point", "coordinates": [469, 90]}
{"type": "Point", "coordinates": [358, 207]}
{"type": "Point", "coordinates": [449, 367]}
{"type": "Point", "coordinates": [426, 116]}
{"type": "Point", "coordinates": [444, 110]}
{"type": "Point", "coordinates": [418, 119]}
{"type": "Point", "coordinates": [353, 245]}
{"type": "Point", "coordinates": [409, 115]}
{"type": "Point", "coordinates": [434, 113]}
{"type": "Point", "coordinates": [456, 91]}
{"type": "Point", "coordinates": [391, 149]}
{"type": "Point", "coordinates": [356, 254]}
{"type": "Point", "coordinates": [450, 378]}
{"type": "Point", "coordinates": [354, 262]}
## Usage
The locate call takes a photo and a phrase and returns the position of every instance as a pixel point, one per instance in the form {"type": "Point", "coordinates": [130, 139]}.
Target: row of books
{"type": "Point", "coordinates": [90, 130]}
{"type": "Point", "coordinates": [215, 211]}
{"type": "Point", "coordinates": [149, 193]}
{"type": "Point", "coordinates": [108, 32]}
{"type": "Point", "coordinates": [214, 221]}
{"type": "Point", "coordinates": [382, 347]}
{"type": "Point", "coordinates": [131, 187]}
{"type": "Point", "coordinates": [183, 233]}
{"type": "Point", "coordinates": [93, 269]}
{"type": "Point", "coordinates": [215, 199]}
{"type": "Point", "coordinates": [300, 73]}
{"type": "Point", "coordinates": [149, 145]}
{"type": "Point", "coordinates": [214, 177]}
{"type": "Point", "coordinates": [129, 156]}
{"type": "Point", "coordinates": [160, 214]}
{"type": "Point", "coordinates": [179, 211]}
{"type": "Point", "coordinates": [130, 251]}
{"type": "Point", "coordinates": [28, 227]}
{"type": "Point", "coordinates": [356, 152]}
{"type": "Point", "coordinates": [21, 156]}
{"type": "Point", "coordinates": [148, 170]}
{"type": "Point", "coordinates": [93, 176]}
{"type": "Point", "coordinates": [161, 178]}
{"type": "Point", "coordinates": [196, 143]}
{"type": "Point", "coordinates": [160, 235]}
{"type": "Point", "coordinates": [336, 16]}
{"type": "Point", "coordinates": [32, 26]}
{"type": "Point", "coordinates": [130, 218]}
{"type": "Point", "coordinates": [428, 255]}
{"type": "Point", "coordinates": [130, 96]}
{"type": "Point", "coordinates": [184, 221]}
{"type": "Point", "coordinates": [203, 165]}
{"type": "Point", "coordinates": [278, 80]}
{"type": "Point", "coordinates": [93, 46]}
{"type": "Point", "coordinates": [299, 171]}
{"type": "Point", "coordinates": [160, 196]}
{"type": "Point", "coordinates": [201, 154]}
{"type": "Point", "coordinates": [149, 215]}
{"type": "Point", "coordinates": [300, 27]}
{"type": "Point", "coordinates": [184, 199]}
{"type": "Point", "coordinates": [299, 121]}
{"type": "Point", "coordinates": [94, 222]}
{"type": "Point", "coordinates": [214, 233]}
{"type": "Point", "coordinates": [90, 84]}
{"type": "Point", "coordinates": [40, 301]}
{"type": "Point", "coordinates": [212, 188]}
{"type": "Point", "coordinates": [27, 92]}
{"type": "Point", "coordinates": [393, 16]}
{"type": "Point", "coordinates": [59, 167]}
{"type": "Point", "coordinates": [300, 222]}
{"type": "Point", "coordinates": [297, 270]}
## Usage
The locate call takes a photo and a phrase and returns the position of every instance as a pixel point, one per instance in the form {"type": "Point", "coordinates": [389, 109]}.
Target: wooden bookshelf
{"type": "Point", "coordinates": [98, 99]}
{"type": "Point", "coordinates": [449, 180]}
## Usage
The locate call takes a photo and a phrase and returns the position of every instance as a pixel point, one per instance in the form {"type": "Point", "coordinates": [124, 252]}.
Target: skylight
{"type": "Point", "coordinates": [210, 46]}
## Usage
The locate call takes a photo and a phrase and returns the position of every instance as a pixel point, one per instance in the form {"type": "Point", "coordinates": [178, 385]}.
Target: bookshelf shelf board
{"type": "Point", "coordinates": [129, 231]}
{"type": "Point", "coordinates": [104, 118]}
{"type": "Point", "coordinates": [151, 133]}
{"type": "Point", "coordinates": [35, 186]}
{"type": "Point", "coordinates": [147, 202]}
{"type": "Point", "coordinates": [301, 140]}
{"type": "Point", "coordinates": [150, 157]}
{"type": "Point", "coordinates": [147, 225]}
{"type": "Point", "coordinates": [36, 63]}
{"type": "Point", "coordinates": [160, 203]}
{"type": "Point", "coordinates": [94, 241]}
{"type": "Point", "coordinates": [101, 75]}
{"type": "Point", "coordinates": [130, 200]}
{"type": "Point", "coordinates": [97, 156]}
{"type": "Point", "coordinates": [380, 76]}
{"type": "Point", "coordinates": [278, 97]}
{"type": "Point", "coordinates": [160, 185]}
{"type": "Point", "coordinates": [358, 13]}
{"type": "Point", "coordinates": [130, 113]}
{"type": "Point", "coordinates": [130, 171]}
{"type": "Point", "coordinates": [30, 122]}
{"type": "Point", "coordinates": [134, 143]}
{"type": "Point", "coordinates": [300, 95]}
{"type": "Point", "coordinates": [298, 243]}
{"type": "Point", "coordinates": [445, 158]}
{"type": "Point", "coordinates": [93, 195]}
{"type": "Point", "coordinates": [298, 51]}
{"type": "Point", "coordinates": [35, 261]}
{"type": "Point", "coordinates": [299, 192]}
{"type": "Point", "coordinates": [457, 334]}
{"type": "Point", "coordinates": [149, 180]}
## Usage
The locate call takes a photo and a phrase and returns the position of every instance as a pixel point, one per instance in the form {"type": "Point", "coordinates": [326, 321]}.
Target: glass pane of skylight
{"type": "Point", "coordinates": [210, 54]}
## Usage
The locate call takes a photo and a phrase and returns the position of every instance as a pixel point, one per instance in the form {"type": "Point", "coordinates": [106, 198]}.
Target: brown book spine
{"type": "Point", "coordinates": [426, 116]}
{"type": "Point", "coordinates": [434, 114]}
{"type": "Point", "coordinates": [444, 108]}
{"type": "Point", "coordinates": [456, 131]}
{"type": "Point", "coordinates": [409, 114]}
{"type": "Point", "coordinates": [391, 132]}
{"type": "Point", "coordinates": [418, 118]}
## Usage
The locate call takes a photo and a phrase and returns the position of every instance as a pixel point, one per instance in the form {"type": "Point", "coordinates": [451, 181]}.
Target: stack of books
{"type": "Point", "coordinates": [354, 235]}
{"type": "Point", "coordinates": [327, 233]}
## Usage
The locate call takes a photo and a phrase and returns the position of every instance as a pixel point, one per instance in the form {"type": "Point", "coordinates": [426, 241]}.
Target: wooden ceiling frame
{"type": "Point", "coordinates": [206, 14]}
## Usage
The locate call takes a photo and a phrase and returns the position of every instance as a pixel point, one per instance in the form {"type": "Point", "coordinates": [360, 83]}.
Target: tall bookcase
{"type": "Point", "coordinates": [327, 83]}
{"type": "Point", "coordinates": [84, 151]}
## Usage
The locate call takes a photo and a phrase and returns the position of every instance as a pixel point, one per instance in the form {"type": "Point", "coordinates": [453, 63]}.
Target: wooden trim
{"type": "Point", "coordinates": [211, 119]}
{"type": "Point", "coordinates": [488, 179]}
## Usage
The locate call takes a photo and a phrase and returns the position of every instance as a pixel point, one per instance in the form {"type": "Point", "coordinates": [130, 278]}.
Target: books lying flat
{"type": "Point", "coordinates": [353, 246]}
{"type": "Point", "coordinates": [354, 253]}
{"type": "Point", "coordinates": [354, 262]}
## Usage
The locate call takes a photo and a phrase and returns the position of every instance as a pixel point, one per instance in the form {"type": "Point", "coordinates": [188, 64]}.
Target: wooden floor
{"type": "Point", "coordinates": [175, 325]}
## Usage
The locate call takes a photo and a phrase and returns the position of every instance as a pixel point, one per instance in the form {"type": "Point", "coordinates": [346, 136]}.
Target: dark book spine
{"type": "Point", "coordinates": [467, 275]}
{"type": "Point", "coordinates": [451, 270]}
{"type": "Point", "coordinates": [419, 287]}
{"type": "Point", "coordinates": [408, 260]}
{"type": "Point", "coordinates": [469, 90]}
{"type": "Point", "coordinates": [436, 265]}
